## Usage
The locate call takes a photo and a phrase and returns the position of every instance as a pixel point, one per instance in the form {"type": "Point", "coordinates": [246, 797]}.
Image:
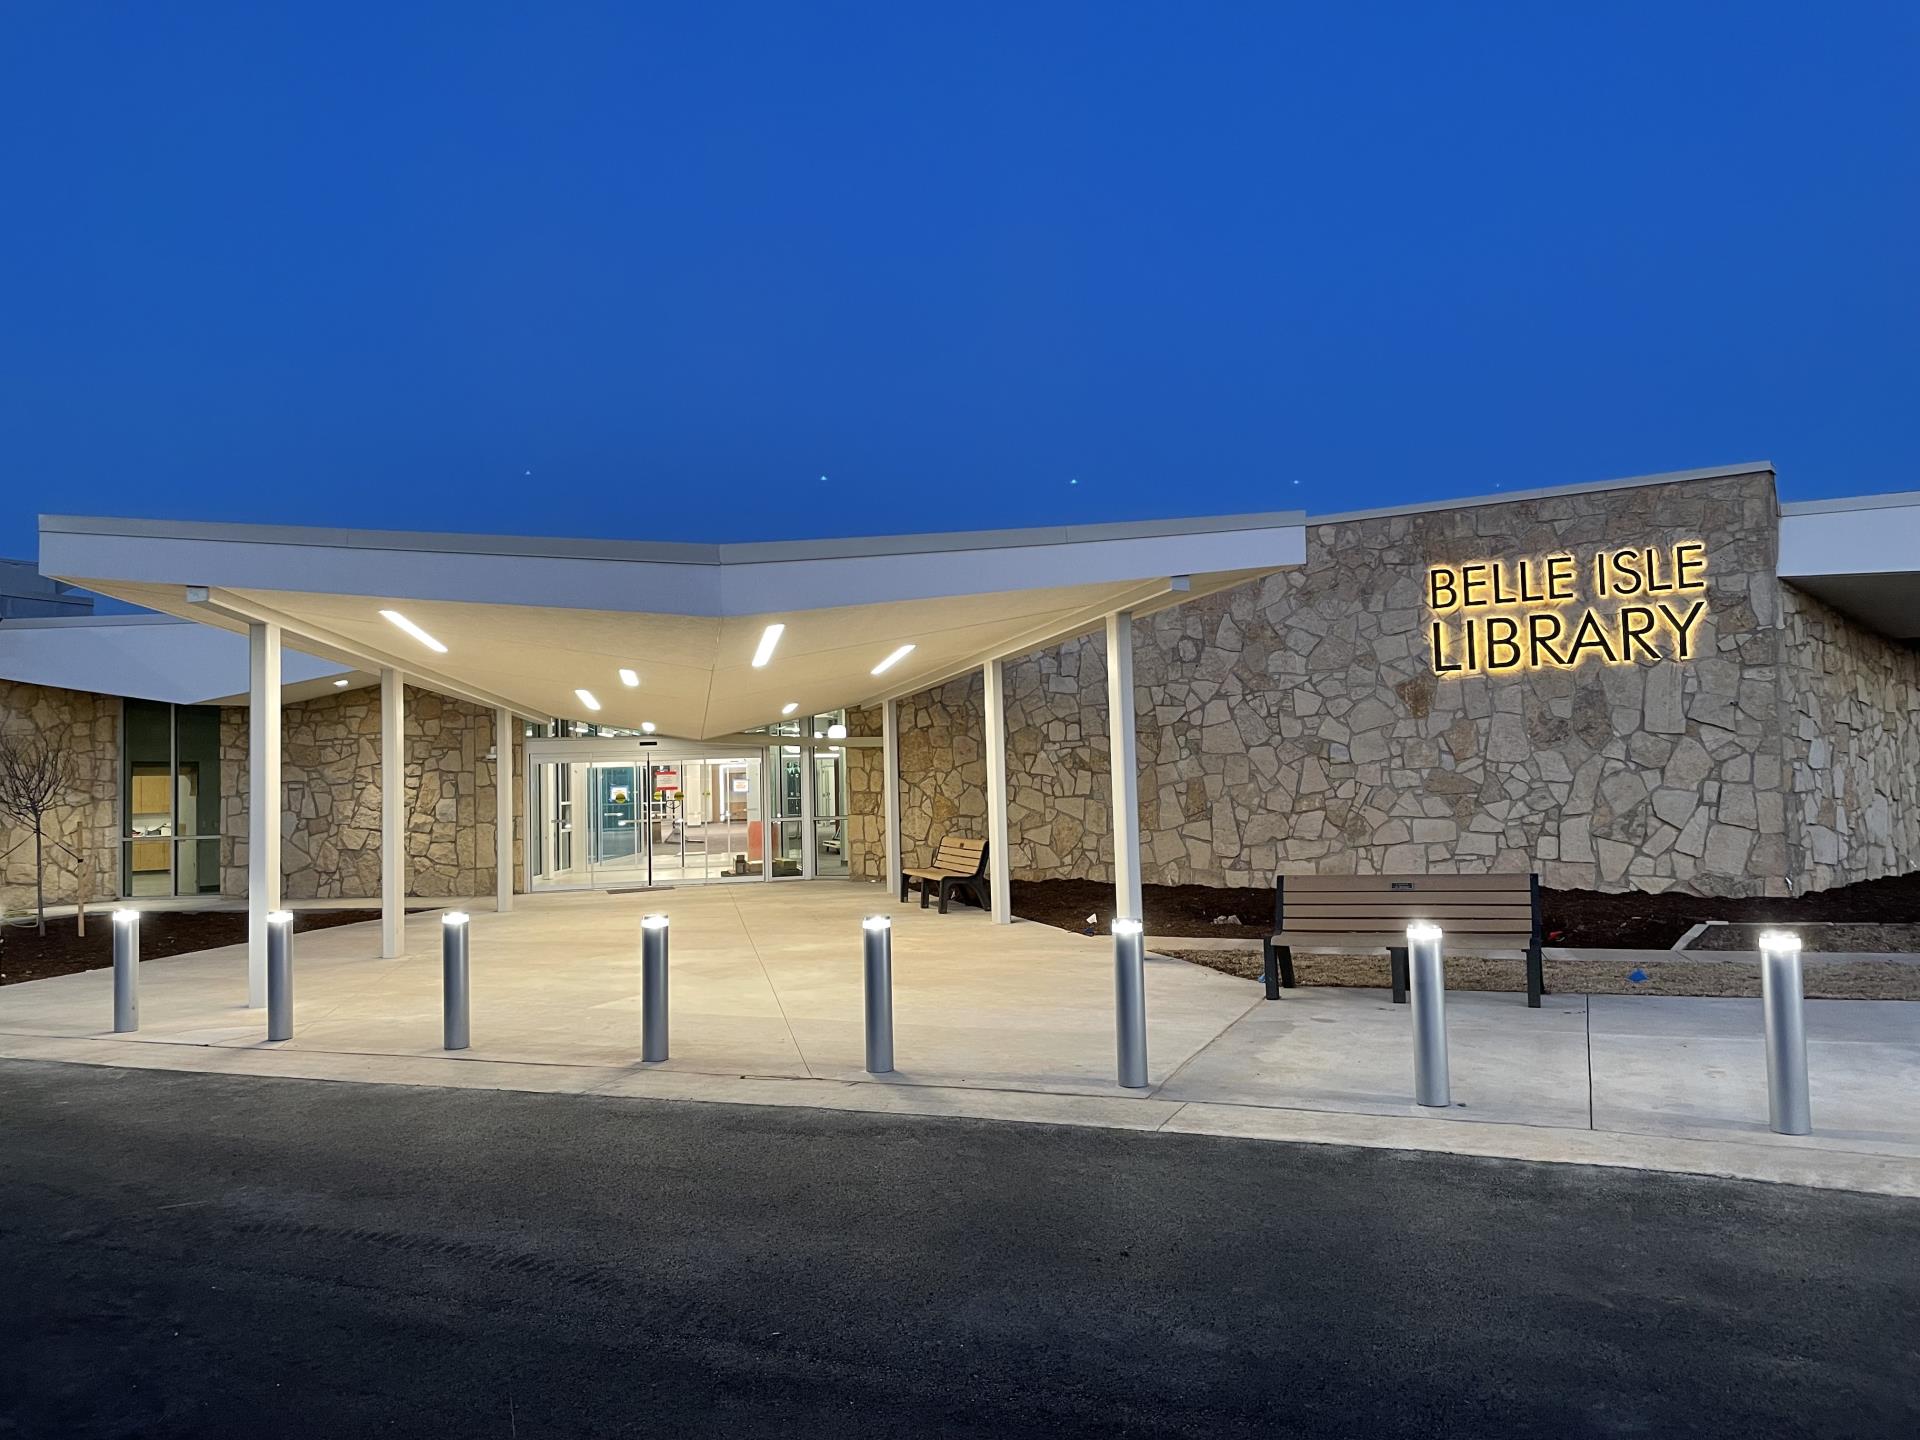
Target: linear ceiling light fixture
{"type": "Point", "coordinates": [628, 678]}
{"type": "Point", "coordinates": [769, 638]}
{"type": "Point", "coordinates": [395, 617]}
{"type": "Point", "coordinates": [586, 699]}
{"type": "Point", "coordinates": [892, 660]}
{"type": "Point", "coordinates": [789, 707]}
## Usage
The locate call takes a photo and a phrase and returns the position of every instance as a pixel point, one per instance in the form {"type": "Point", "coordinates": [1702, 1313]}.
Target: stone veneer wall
{"type": "Point", "coordinates": [1295, 724]}
{"type": "Point", "coordinates": [88, 725]}
{"type": "Point", "coordinates": [330, 778]}
{"type": "Point", "coordinates": [1853, 745]}
{"type": "Point", "coordinates": [866, 799]}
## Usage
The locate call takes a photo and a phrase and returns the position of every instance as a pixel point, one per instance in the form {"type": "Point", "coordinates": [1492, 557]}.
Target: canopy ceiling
{"type": "Point", "coordinates": [528, 622]}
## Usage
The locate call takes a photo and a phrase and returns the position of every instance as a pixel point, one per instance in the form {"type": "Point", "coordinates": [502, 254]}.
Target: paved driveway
{"type": "Point", "coordinates": [199, 1255]}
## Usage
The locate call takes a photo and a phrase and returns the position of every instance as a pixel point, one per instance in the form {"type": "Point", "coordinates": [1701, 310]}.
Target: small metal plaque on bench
{"type": "Point", "coordinates": [1400, 885]}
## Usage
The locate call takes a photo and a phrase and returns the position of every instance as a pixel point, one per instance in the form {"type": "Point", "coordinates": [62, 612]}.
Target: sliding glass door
{"type": "Point", "coordinates": [608, 824]}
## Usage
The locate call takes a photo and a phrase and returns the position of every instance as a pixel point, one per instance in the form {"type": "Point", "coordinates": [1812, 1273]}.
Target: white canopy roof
{"type": "Point", "coordinates": [1860, 555]}
{"type": "Point", "coordinates": [527, 622]}
{"type": "Point", "coordinates": [149, 657]}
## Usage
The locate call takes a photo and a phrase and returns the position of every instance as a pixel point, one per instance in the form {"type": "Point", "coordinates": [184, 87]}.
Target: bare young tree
{"type": "Point", "coordinates": [36, 778]}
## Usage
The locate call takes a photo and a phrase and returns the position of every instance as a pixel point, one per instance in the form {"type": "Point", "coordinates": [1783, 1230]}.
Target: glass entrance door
{"type": "Point", "coordinates": [667, 821]}
{"type": "Point", "coordinates": [709, 824]}
{"type": "Point", "coordinates": [617, 849]}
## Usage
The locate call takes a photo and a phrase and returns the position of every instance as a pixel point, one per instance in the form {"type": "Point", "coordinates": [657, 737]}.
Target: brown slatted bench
{"type": "Point", "coordinates": [960, 864]}
{"type": "Point", "coordinates": [1482, 913]}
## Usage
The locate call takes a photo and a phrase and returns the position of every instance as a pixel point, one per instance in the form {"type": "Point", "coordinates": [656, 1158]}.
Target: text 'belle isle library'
{"type": "Point", "coordinates": [1496, 615]}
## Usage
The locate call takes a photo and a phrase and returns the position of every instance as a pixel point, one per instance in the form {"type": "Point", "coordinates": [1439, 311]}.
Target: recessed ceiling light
{"type": "Point", "coordinates": [340, 684]}
{"type": "Point", "coordinates": [586, 699]}
{"type": "Point", "coordinates": [769, 638]}
{"type": "Point", "coordinates": [629, 679]}
{"type": "Point", "coordinates": [789, 707]}
{"type": "Point", "coordinates": [646, 727]}
{"type": "Point", "coordinates": [415, 631]}
{"type": "Point", "coordinates": [892, 660]}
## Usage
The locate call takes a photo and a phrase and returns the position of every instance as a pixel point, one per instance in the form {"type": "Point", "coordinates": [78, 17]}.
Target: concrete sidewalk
{"type": "Point", "coordinates": [1015, 1023]}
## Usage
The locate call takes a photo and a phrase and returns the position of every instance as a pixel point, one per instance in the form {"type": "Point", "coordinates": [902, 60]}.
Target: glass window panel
{"type": "Point", "coordinates": [197, 758]}
{"type": "Point", "coordinates": [829, 847]}
{"type": "Point", "coordinates": [199, 867]}
{"type": "Point", "coordinates": [147, 867]}
{"type": "Point", "coordinates": [733, 818]}
{"type": "Point", "coordinates": [829, 783]}
{"type": "Point", "coordinates": [617, 835]}
{"type": "Point", "coordinates": [146, 797]}
{"type": "Point", "coordinates": [787, 852]}
{"type": "Point", "coordinates": [787, 796]}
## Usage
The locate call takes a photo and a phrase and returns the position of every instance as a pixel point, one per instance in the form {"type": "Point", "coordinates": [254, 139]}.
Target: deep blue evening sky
{"type": "Point", "coordinates": [655, 271]}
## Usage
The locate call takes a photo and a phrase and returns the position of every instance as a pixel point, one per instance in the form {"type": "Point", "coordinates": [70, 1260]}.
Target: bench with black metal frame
{"type": "Point", "coordinates": [1481, 913]}
{"type": "Point", "coordinates": [959, 867]}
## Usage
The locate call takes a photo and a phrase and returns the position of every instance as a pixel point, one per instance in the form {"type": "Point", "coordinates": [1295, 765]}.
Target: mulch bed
{"type": "Point", "coordinates": [1817, 935]}
{"type": "Point", "coordinates": [1684, 974]}
{"type": "Point", "coordinates": [26, 956]}
{"type": "Point", "coordinates": [1583, 918]}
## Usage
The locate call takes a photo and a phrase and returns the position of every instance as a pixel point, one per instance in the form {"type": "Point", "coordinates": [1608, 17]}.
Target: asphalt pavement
{"type": "Point", "coordinates": [197, 1255]}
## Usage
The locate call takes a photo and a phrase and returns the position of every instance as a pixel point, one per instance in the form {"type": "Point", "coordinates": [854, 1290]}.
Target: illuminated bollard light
{"type": "Point", "coordinates": [1789, 1106]}
{"type": "Point", "coordinates": [1432, 1085]}
{"type": "Point", "coordinates": [877, 946]}
{"type": "Point", "coordinates": [455, 993]}
{"type": "Point", "coordinates": [280, 975]}
{"type": "Point", "coordinates": [1130, 1001]}
{"type": "Point", "coordinates": [653, 987]}
{"type": "Point", "coordinates": [126, 971]}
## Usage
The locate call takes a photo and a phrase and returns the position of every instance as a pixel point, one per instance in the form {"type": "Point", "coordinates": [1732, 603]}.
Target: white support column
{"type": "Point", "coordinates": [1123, 751]}
{"type": "Point", "coordinates": [393, 814]}
{"type": "Point", "coordinates": [890, 789]}
{"type": "Point", "coordinates": [999, 868]}
{"type": "Point", "coordinates": [503, 811]}
{"type": "Point", "coordinates": [264, 802]}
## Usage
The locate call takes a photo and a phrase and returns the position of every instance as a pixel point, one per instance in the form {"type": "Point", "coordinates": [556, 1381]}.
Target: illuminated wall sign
{"type": "Point", "coordinates": [1621, 607]}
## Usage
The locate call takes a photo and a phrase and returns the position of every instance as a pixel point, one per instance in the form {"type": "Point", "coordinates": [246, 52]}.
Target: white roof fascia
{"type": "Point", "coordinates": [1830, 538]}
{"type": "Point", "coordinates": [1508, 497]}
{"type": "Point", "coordinates": [147, 657]}
{"type": "Point", "coordinates": [1892, 500]}
{"type": "Point", "coordinates": [665, 552]}
{"type": "Point", "coordinates": [749, 581]}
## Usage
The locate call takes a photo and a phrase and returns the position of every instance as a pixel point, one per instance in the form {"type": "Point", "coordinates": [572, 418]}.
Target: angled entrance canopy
{"type": "Point", "coordinates": [528, 623]}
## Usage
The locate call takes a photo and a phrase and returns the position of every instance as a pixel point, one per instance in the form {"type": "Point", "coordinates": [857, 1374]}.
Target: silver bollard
{"type": "Point", "coordinates": [454, 989]}
{"type": "Point", "coordinates": [126, 971]}
{"type": "Point", "coordinates": [1130, 1001]}
{"type": "Point", "coordinates": [877, 946]}
{"type": "Point", "coordinates": [1431, 1083]}
{"type": "Point", "coordinates": [653, 987]}
{"type": "Point", "coordinates": [1789, 1106]}
{"type": "Point", "coordinates": [280, 975]}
